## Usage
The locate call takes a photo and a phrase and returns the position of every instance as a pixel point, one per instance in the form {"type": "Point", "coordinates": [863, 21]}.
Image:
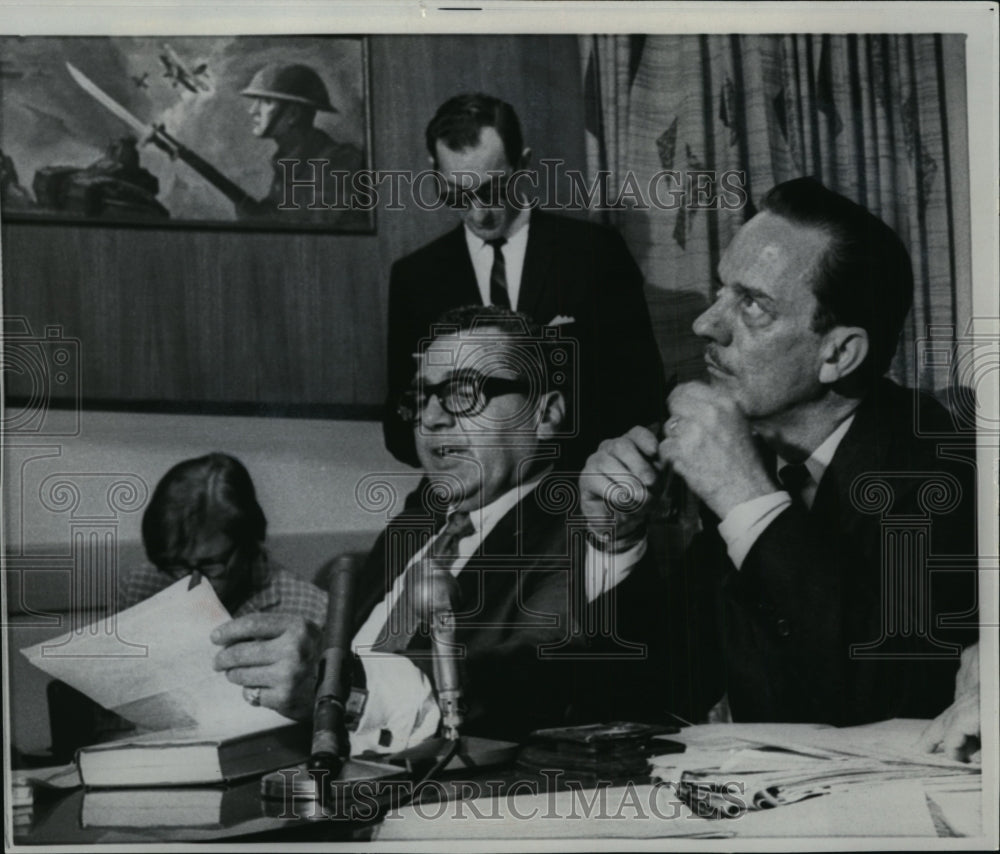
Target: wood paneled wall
{"type": "Point", "coordinates": [210, 317]}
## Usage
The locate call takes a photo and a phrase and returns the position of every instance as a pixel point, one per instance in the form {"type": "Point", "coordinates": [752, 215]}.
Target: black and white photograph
{"type": "Point", "coordinates": [566, 425]}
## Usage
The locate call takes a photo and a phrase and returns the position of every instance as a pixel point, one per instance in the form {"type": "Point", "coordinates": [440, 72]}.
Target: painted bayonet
{"type": "Point", "coordinates": [158, 136]}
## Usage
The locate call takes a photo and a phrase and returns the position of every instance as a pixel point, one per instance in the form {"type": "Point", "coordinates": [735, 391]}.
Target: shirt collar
{"type": "Point", "coordinates": [820, 459]}
{"type": "Point", "coordinates": [486, 517]}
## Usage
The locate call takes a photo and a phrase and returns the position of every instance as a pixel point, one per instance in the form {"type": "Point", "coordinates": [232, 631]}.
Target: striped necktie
{"type": "Point", "coordinates": [405, 620]}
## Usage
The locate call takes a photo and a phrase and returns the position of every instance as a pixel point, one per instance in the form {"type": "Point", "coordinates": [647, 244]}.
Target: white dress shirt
{"type": "Point", "coordinates": [400, 696]}
{"type": "Point", "coordinates": [747, 521]}
{"type": "Point", "coordinates": [513, 251]}
{"type": "Point", "coordinates": [741, 527]}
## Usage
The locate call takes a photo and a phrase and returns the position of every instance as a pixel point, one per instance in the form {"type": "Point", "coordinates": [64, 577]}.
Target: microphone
{"type": "Point", "coordinates": [443, 598]}
{"type": "Point", "coordinates": [435, 600]}
{"type": "Point", "coordinates": [330, 743]}
{"type": "Point", "coordinates": [331, 784]}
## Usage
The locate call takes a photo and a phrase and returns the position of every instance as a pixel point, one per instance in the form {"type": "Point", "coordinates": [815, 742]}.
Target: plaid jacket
{"type": "Point", "coordinates": [275, 590]}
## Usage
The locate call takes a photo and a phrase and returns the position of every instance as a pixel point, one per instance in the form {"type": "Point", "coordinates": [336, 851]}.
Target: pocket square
{"type": "Point", "coordinates": [561, 320]}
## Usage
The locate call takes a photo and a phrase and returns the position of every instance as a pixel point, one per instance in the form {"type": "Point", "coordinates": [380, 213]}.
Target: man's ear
{"type": "Point", "coordinates": [844, 349]}
{"type": "Point", "coordinates": [525, 159]}
{"type": "Point", "coordinates": [551, 412]}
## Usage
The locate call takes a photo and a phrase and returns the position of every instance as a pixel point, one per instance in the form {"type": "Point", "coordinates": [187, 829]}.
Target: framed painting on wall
{"type": "Point", "coordinates": [259, 132]}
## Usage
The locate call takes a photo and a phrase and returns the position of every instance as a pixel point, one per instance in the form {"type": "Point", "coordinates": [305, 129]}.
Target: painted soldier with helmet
{"type": "Point", "coordinates": [308, 161]}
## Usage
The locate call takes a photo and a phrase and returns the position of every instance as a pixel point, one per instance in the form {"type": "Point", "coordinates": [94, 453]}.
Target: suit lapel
{"type": "Point", "coordinates": [861, 450]}
{"type": "Point", "coordinates": [392, 553]}
{"type": "Point", "coordinates": [474, 606]}
{"type": "Point", "coordinates": [538, 259]}
{"type": "Point", "coordinates": [500, 541]}
{"type": "Point", "coordinates": [457, 283]}
{"type": "Point", "coordinates": [523, 531]}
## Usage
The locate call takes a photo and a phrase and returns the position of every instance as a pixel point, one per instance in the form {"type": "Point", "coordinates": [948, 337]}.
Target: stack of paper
{"type": "Point", "coordinates": [728, 769]}
{"type": "Point", "coordinates": [652, 812]}
{"type": "Point", "coordinates": [152, 664]}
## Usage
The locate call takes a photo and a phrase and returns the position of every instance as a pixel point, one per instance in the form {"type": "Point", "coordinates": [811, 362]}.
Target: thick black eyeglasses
{"type": "Point", "coordinates": [463, 395]}
{"type": "Point", "coordinates": [489, 194]}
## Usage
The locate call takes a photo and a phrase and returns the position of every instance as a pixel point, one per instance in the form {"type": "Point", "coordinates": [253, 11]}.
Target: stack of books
{"type": "Point", "coordinates": [193, 756]}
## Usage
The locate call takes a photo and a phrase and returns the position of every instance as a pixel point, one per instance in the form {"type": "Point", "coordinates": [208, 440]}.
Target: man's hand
{"type": "Point", "coordinates": [955, 732]}
{"type": "Point", "coordinates": [277, 653]}
{"type": "Point", "coordinates": [618, 483]}
{"type": "Point", "coordinates": [709, 444]}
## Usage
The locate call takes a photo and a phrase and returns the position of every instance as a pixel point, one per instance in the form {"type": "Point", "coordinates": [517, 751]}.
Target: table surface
{"type": "Point", "coordinates": [248, 817]}
{"type": "Point", "coordinates": [234, 811]}
{"type": "Point", "coordinates": [59, 819]}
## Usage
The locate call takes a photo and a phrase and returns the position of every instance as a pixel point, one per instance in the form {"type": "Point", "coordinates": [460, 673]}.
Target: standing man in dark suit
{"type": "Point", "coordinates": [552, 268]}
{"type": "Point", "coordinates": [826, 488]}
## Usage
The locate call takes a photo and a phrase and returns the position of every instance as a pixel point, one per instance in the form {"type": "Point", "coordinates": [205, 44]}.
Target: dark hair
{"type": "Point", "coordinates": [459, 121]}
{"type": "Point", "coordinates": [864, 278]}
{"type": "Point", "coordinates": [212, 492]}
{"type": "Point", "coordinates": [468, 318]}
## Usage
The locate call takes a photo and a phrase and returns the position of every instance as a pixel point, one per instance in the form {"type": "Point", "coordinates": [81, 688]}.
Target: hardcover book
{"type": "Point", "coordinates": [192, 757]}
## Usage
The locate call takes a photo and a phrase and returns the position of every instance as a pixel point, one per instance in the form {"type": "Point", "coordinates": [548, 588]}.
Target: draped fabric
{"type": "Point", "coordinates": [868, 115]}
{"type": "Point", "coordinates": [609, 67]}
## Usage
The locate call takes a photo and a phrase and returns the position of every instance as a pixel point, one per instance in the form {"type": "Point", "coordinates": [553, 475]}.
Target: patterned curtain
{"type": "Point", "coordinates": [868, 115]}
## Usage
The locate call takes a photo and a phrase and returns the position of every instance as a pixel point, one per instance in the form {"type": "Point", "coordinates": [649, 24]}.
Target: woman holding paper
{"type": "Point", "coordinates": [204, 518]}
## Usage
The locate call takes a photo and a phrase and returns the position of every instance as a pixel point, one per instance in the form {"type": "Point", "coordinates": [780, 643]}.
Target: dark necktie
{"type": "Point", "coordinates": [498, 275]}
{"type": "Point", "coordinates": [794, 479]}
{"type": "Point", "coordinates": [404, 620]}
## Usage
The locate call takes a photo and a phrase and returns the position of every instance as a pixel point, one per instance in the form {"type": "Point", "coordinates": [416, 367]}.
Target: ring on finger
{"type": "Point", "coordinates": [252, 695]}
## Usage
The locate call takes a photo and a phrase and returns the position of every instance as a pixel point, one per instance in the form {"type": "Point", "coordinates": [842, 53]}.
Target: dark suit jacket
{"type": "Point", "coordinates": [571, 268]}
{"type": "Point", "coordinates": [515, 617]}
{"type": "Point", "coordinates": [777, 634]}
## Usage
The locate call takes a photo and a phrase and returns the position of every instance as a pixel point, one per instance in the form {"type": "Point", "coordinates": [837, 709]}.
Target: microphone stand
{"type": "Point", "coordinates": [436, 601]}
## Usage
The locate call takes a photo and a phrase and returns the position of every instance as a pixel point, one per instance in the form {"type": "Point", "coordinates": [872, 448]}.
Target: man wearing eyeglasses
{"type": "Point", "coordinates": [486, 409]}
{"type": "Point", "coordinates": [490, 515]}
{"type": "Point", "coordinates": [511, 253]}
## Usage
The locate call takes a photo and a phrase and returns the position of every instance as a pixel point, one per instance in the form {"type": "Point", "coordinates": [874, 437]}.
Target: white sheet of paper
{"type": "Point", "coordinates": [898, 808]}
{"type": "Point", "coordinates": [893, 740]}
{"type": "Point", "coordinates": [638, 811]}
{"type": "Point", "coordinates": [152, 664]}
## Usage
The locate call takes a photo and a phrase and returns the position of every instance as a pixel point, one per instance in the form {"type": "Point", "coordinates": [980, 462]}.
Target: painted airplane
{"type": "Point", "coordinates": [140, 80]}
{"type": "Point", "coordinates": [178, 72]}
